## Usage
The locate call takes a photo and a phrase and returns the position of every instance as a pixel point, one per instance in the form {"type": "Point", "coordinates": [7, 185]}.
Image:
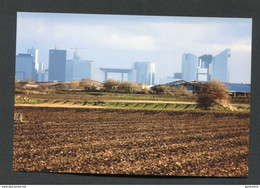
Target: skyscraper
{"type": "Point", "coordinates": [40, 72]}
{"type": "Point", "coordinates": [57, 65]}
{"type": "Point", "coordinates": [220, 66]}
{"type": "Point", "coordinates": [145, 72]}
{"type": "Point", "coordinates": [189, 67]}
{"type": "Point", "coordinates": [204, 63]}
{"type": "Point", "coordinates": [78, 69]}
{"type": "Point", "coordinates": [206, 67]}
{"type": "Point", "coordinates": [24, 67]}
{"type": "Point", "coordinates": [34, 53]}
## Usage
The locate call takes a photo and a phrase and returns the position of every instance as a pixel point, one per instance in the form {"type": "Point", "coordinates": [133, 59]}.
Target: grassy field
{"type": "Point", "coordinates": [119, 101]}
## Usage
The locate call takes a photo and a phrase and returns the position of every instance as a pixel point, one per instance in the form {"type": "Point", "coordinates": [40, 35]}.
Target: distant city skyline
{"type": "Point", "coordinates": [118, 41]}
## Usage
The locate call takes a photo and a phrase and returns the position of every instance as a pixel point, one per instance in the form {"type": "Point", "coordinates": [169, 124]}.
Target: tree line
{"type": "Point", "coordinates": [209, 94]}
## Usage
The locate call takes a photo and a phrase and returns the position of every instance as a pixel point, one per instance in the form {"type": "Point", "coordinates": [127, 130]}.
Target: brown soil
{"type": "Point", "coordinates": [136, 142]}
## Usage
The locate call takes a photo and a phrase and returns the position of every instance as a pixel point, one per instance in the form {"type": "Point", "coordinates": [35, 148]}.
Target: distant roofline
{"type": "Point", "coordinates": [144, 62]}
{"type": "Point", "coordinates": [229, 49]}
{"type": "Point", "coordinates": [56, 50]}
{"type": "Point", "coordinates": [24, 54]}
{"type": "Point", "coordinates": [239, 86]}
{"type": "Point", "coordinates": [116, 70]}
{"type": "Point", "coordinates": [79, 60]}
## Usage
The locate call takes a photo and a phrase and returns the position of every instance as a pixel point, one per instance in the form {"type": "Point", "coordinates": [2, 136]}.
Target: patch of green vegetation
{"type": "Point", "coordinates": [164, 105]}
{"type": "Point", "coordinates": [126, 105]}
{"type": "Point", "coordinates": [121, 104]}
{"type": "Point", "coordinates": [66, 102]}
{"type": "Point", "coordinates": [57, 101]}
{"type": "Point", "coordinates": [78, 102]}
{"type": "Point", "coordinates": [182, 106]}
{"type": "Point", "coordinates": [242, 107]}
{"type": "Point", "coordinates": [90, 103]}
{"type": "Point", "coordinates": [111, 104]}
{"type": "Point", "coordinates": [191, 107]}
{"type": "Point", "coordinates": [140, 105]}
{"type": "Point", "coordinates": [160, 106]}
{"type": "Point", "coordinates": [168, 106]}
{"type": "Point", "coordinates": [155, 105]}
{"type": "Point", "coordinates": [145, 96]}
{"type": "Point", "coordinates": [28, 100]}
{"type": "Point", "coordinates": [99, 103]}
{"type": "Point", "coordinates": [145, 106]}
{"type": "Point", "coordinates": [38, 102]}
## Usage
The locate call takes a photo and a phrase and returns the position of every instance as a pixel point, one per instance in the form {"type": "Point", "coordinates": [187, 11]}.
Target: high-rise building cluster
{"type": "Point", "coordinates": [28, 66]}
{"type": "Point", "coordinates": [206, 67]}
{"type": "Point", "coordinates": [63, 69]}
{"type": "Point", "coordinates": [60, 69]}
{"type": "Point", "coordinates": [194, 68]}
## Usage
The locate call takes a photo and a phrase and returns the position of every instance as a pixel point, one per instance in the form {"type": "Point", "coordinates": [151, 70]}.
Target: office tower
{"type": "Point", "coordinates": [40, 72]}
{"type": "Point", "coordinates": [34, 53]}
{"type": "Point", "coordinates": [220, 66]}
{"type": "Point", "coordinates": [57, 65]}
{"type": "Point", "coordinates": [145, 72]}
{"type": "Point", "coordinates": [45, 75]}
{"type": "Point", "coordinates": [189, 67]}
{"type": "Point", "coordinates": [78, 69]}
{"type": "Point", "coordinates": [24, 68]}
{"type": "Point", "coordinates": [204, 63]}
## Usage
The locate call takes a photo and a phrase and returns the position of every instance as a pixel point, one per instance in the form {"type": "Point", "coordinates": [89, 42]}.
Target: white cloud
{"type": "Point", "coordinates": [104, 36]}
{"type": "Point", "coordinates": [128, 42]}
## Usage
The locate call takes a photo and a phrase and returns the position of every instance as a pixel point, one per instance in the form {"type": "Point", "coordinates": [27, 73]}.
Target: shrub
{"type": "Point", "coordinates": [88, 85]}
{"type": "Point", "coordinates": [20, 84]}
{"type": "Point", "coordinates": [173, 91]}
{"type": "Point", "coordinates": [61, 87]}
{"type": "Point", "coordinates": [43, 88]}
{"type": "Point", "coordinates": [74, 85]}
{"type": "Point", "coordinates": [30, 80]}
{"type": "Point", "coordinates": [111, 85]}
{"type": "Point", "coordinates": [181, 91]}
{"type": "Point", "coordinates": [161, 89]}
{"type": "Point", "coordinates": [213, 93]}
{"type": "Point", "coordinates": [129, 87]}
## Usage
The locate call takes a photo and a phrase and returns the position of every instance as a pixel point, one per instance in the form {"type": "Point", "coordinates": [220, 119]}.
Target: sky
{"type": "Point", "coordinates": [117, 41]}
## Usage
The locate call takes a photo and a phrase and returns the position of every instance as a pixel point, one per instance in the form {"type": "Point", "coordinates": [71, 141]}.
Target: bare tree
{"type": "Point", "coordinates": [61, 87]}
{"type": "Point", "coordinates": [74, 85]}
{"type": "Point", "coordinates": [30, 80]}
{"type": "Point", "coordinates": [111, 85]}
{"type": "Point", "coordinates": [212, 93]}
{"type": "Point", "coordinates": [88, 84]}
{"type": "Point", "coordinates": [129, 87]}
{"type": "Point", "coordinates": [161, 89]}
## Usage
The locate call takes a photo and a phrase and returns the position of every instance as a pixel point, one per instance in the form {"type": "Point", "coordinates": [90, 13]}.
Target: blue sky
{"type": "Point", "coordinates": [118, 40]}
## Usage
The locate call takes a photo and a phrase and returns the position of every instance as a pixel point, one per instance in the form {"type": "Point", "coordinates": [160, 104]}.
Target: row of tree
{"type": "Point", "coordinates": [128, 87]}
{"type": "Point", "coordinates": [109, 86]}
{"type": "Point", "coordinates": [210, 93]}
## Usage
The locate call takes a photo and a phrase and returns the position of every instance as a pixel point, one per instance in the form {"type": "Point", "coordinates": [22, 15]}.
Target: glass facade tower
{"type": "Point", "coordinates": [220, 66]}
{"type": "Point", "coordinates": [144, 72]}
{"type": "Point", "coordinates": [189, 67]}
{"type": "Point", "coordinates": [57, 65]}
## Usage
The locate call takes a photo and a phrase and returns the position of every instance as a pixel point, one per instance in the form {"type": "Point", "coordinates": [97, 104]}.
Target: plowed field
{"type": "Point", "coordinates": [139, 142]}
